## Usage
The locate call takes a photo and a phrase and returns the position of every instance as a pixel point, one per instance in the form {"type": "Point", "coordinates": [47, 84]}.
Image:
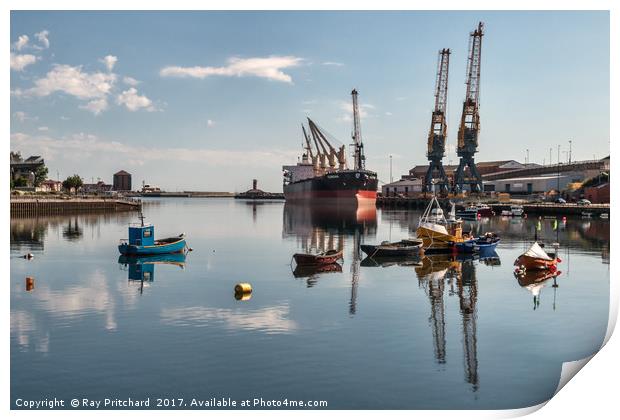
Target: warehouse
{"type": "Point", "coordinates": [403, 187]}
{"type": "Point", "coordinates": [529, 185]}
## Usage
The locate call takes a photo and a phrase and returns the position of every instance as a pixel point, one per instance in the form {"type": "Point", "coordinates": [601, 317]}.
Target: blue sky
{"type": "Point", "coordinates": [210, 100]}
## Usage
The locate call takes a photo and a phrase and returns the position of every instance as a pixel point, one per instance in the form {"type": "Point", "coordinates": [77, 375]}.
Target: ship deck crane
{"type": "Point", "coordinates": [438, 131]}
{"type": "Point", "coordinates": [470, 119]}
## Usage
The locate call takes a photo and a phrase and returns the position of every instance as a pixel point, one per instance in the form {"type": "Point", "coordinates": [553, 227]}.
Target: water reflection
{"type": "Point", "coordinates": [141, 270]}
{"type": "Point", "coordinates": [459, 274]}
{"type": "Point", "coordinates": [321, 228]}
{"type": "Point", "coordinates": [534, 281]}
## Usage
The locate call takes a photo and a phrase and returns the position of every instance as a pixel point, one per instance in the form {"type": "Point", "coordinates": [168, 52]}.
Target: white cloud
{"type": "Point", "coordinates": [44, 128]}
{"type": "Point", "coordinates": [133, 101]}
{"type": "Point", "coordinates": [388, 113]}
{"type": "Point", "coordinates": [42, 38]}
{"type": "Point", "coordinates": [265, 67]}
{"type": "Point", "coordinates": [73, 81]}
{"type": "Point", "coordinates": [20, 61]}
{"type": "Point", "coordinates": [21, 116]}
{"type": "Point", "coordinates": [21, 42]}
{"type": "Point", "coordinates": [62, 117]}
{"type": "Point", "coordinates": [130, 81]}
{"type": "Point", "coordinates": [332, 63]}
{"type": "Point", "coordinates": [96, 106]}
{"type": "Point", "coordinates": [348, 111]}
{"type": "Point", "coordinates": [210, 123]}
{"type": "Point", "coordinates": [109, 61]}
{"type": "Point", "coordinates": [82, 146]}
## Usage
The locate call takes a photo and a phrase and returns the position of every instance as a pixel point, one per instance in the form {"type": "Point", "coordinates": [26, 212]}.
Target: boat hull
{"type": "Point", "coordinates": [311, 259]}
{"type": "Point", "coordinates": [350, 186]}
{"type": "Point", "coordinates": [167, 248]}
{"type": "Point", "coordinates": [433, 241]}
{"type": "Point", "coordinates": [530, 263]}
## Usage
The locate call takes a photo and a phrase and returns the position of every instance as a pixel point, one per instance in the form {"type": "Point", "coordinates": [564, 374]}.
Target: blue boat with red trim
{"type": "Point", "coordinates": [142, 241]}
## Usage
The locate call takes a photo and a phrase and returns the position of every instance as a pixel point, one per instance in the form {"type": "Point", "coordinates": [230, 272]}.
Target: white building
{"type": "Point", "coordinates": [404, 187]}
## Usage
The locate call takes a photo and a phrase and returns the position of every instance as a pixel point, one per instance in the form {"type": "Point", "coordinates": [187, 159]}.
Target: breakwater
{"type": "Point", "coordinates": [26, 207]}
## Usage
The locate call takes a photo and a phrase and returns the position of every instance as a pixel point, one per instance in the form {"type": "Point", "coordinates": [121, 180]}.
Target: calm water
{"type": "Point", "coordinates": [439, 334]}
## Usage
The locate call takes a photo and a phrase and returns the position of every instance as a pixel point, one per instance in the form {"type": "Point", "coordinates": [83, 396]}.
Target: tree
{"type": "Point", "coordinates": [72, 182]}
{"type": "Point", "coordinates": [40, 175]}
{"type": "Point", "coordinates": [20, 182]}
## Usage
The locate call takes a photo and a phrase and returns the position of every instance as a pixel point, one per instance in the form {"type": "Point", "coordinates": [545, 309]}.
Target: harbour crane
{"type": "Point", "coordinates": [468, 298]}
{"type": "Point", "coordinates": [470, 119]}
{"type": "Point", "coordinates": [438, 131]}
{"type": "Point", "coordinates": [358, 154]}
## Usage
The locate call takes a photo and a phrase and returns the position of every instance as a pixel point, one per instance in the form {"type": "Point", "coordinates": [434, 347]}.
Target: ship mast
{"type": "Point", "coordinates": [359, 158]}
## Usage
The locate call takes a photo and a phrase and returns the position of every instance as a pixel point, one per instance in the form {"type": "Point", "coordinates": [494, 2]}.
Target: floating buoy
{"type": "Point", "coordinates": [243, 288]}
{"type": "Point", "coordinates": [28, 256]}
{"type": "Point", "coordinates": [29, 284]}
{"type": "Point", "coordinates": [190, 249]}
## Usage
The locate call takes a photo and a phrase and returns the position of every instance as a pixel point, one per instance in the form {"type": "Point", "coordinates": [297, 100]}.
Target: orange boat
{"type": "Point", "coordinates": [536, 258]}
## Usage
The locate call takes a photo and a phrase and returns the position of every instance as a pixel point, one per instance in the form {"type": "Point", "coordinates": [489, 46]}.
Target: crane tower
{"type": "Point", "coordinates": [470, 119]}
{"type": "Point", "coordinates": [358, 155]}
{"type": "Point", "coordinates": [437, 133]}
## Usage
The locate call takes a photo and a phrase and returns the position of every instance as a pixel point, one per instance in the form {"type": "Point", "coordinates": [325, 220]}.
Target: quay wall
{"type": "Point", "coordinates": [26, 207]}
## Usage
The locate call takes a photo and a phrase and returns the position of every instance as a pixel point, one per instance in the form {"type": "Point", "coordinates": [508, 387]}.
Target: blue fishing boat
{"type": "Point", "coordinates": [487, 243]}
{"type": "Point", "coordinates": [142, 241]}
{"type": "Point", "coordinates": [466, 247]}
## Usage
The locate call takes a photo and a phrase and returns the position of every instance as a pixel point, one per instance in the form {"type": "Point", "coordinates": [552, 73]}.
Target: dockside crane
{"type": "Point", "coordinates": [470, 119]}
{"type": "Point", "coordinates": [468, 298]}
{"type": "Point", "coordinates": [358, 154]}
{"type": "Point", "coordinates": [438, 131]}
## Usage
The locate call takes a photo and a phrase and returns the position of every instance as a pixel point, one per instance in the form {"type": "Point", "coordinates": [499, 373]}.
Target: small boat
{"type": "Point", "coordinates": [439, 235]}
{"type": "Point", "coordinates": [586, 215]}
{"type": "Point", "coordinates": [141, 241]}
{"type": "Point", "coordinates": [475, 211]}
{"type": "Point", "coordinates": [517, 211]}
{"type": "Point", "coordinates": [535, 258]}
{"type": "Point", "coordinates": [327, 257]}
{"type": "Point", "coordinates": [604, 216]}
{"type": "Point", "coordinates": [466, 247]}
{"type": "Point", "coordinates": [487, 242]}
{"type": "Point", "coordinates": [406, 247]}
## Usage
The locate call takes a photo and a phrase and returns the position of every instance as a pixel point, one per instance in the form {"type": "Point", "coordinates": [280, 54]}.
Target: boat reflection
{"type": "Point", "coordinates": [536, 280]}
{"type": "Point", "coordinates": [412, 261]}
{"type": "Point", "coordinates": [458, 273]}
{"type": "Point", "coordinates": [142, 269]}
{"type": "Point", "coordinates": [311, 272]}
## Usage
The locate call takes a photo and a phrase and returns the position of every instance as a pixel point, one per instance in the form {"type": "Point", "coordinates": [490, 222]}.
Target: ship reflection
{"type": "Point", "coordinates": [321, 228]}
{"type": "Point", "coordinates": [141, 270]}
{"type": "Point", "coordinates": [458, 275]}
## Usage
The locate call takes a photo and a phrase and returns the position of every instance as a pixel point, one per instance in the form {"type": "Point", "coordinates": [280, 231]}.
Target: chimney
{"type": "Point", "coordinates": [254, 184]}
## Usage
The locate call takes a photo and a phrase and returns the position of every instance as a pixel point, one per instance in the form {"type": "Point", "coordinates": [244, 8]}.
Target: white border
{"type": "Point", "coordinates": [593, 394]}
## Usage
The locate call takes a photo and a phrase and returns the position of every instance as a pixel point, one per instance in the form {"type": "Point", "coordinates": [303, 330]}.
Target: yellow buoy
{"type": "Point", "coordinates": [243, 288]}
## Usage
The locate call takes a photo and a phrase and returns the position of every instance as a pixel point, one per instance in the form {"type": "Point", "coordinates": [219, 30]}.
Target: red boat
{"type": "Point", "coordinates": [328, 257]}
{"type": "Point", "coordinates": [536, 258]}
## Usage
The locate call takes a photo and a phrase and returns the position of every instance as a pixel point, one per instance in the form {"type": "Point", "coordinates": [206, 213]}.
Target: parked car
{"type": "Point", "coordinates": [560, 201]}
{"type": "Point", "coordinates": [584, 202]}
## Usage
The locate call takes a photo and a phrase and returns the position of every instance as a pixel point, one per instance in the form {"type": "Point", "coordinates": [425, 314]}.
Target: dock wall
{"type": "Point", "coordinates": [26, 207]}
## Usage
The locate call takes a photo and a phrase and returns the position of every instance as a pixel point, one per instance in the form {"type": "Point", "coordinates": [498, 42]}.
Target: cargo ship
{"type": "Point", "coordinates": [323, 175]}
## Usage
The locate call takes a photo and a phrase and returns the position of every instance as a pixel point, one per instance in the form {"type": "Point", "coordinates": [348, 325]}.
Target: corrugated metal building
{"type": "Point", "coordinates": [529, 185]}
{"type": "Point", "coordinates": [403, 186]}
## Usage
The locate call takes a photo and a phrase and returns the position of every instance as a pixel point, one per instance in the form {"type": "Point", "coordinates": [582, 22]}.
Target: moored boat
{"type": "Point", "coordinates": [535, 258]}
{"type": "Point", "coordinates": [406, 247]}
{"type": "Point", "coordinates": [327, 257]}
{"type": "Point", "coordinates": [141, 241]}
{"type": "Point", "coordinates": [437, 233]}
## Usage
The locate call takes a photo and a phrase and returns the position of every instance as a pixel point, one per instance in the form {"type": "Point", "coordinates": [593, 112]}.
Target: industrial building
{"type": "Point", "coordinates": [122, 181]}
{"type": "Point", "coordinates": [402, 187]}
{"type": "Point", "coordinates": [531, 184]}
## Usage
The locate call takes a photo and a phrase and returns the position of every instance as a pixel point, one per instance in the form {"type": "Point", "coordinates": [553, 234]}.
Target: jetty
{"type": "Point", "coordinates": [35, 206]}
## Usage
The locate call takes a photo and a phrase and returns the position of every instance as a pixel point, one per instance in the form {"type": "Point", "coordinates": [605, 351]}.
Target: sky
{"type": "Point", "coordinates": [207, 101]}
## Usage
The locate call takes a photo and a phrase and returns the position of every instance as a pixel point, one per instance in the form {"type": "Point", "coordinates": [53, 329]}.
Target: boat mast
{"type": "Point", "coordinates": [359, 158]}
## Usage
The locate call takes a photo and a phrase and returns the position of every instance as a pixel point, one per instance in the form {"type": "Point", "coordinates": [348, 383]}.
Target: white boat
{"type": "Point", "coordinates": [604, 215]}
{"type": "Point", "coordinates": [516, 210]}
{"type": "Point", "coordinates": [586, 215]}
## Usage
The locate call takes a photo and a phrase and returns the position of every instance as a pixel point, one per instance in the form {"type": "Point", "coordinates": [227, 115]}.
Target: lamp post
{"type": "Point", "coordinates": [558, 170]}
{"type": "Point", "coordinates": [391, 179]}
{"type": "Point", "coordinates": [570, 151]}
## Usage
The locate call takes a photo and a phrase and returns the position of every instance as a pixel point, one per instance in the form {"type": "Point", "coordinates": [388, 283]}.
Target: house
{"type": "Point", "coordinates": [121, 181]}
{"type": "Point", "coordinates": [99, 187]}
{"type": "Point", "coordinates": [26, 169]}
{"type": "Point", "coordinates": [597, 194]}
{"type": "Point", "coordinates": [49, 185]}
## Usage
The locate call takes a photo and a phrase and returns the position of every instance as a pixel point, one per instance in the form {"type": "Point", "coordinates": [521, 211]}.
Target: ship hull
{"type": "Point", "coordinates": [342, 186]}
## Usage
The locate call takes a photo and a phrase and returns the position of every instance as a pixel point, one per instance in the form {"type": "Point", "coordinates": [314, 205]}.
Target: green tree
{"type": "Point", "coordinates": [20, 182]}
{"type": "Point", "coordinates": [40, 175]}
{"type": "Point", "coordinates": [72, 182]}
